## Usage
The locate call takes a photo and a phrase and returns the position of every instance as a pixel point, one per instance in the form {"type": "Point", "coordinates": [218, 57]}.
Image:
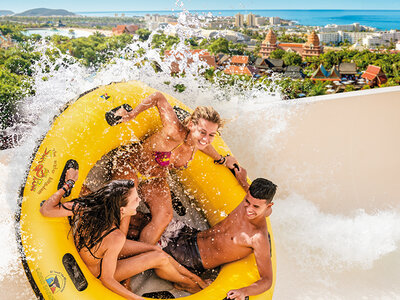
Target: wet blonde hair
{"type": "Point", "coordinates": [207, 113]}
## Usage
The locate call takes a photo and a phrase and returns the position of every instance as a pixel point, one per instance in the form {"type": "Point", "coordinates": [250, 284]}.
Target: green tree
{"type": "Point", "coordinates": [143, 34]}
{"type": "Point", "coordinates": [277, 54]}
{"type": "Point", "coordinates": [318, 89]}
{"type": "Point", "coordinates": [292, 59]}
{"type": "Point", "coordinates": [219, 45]}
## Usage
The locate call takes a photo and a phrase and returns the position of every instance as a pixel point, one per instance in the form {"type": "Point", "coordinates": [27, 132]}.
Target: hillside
{"type": "Point", "coordinates": [6, 12]}
{"type": "Point", "coordinates": [43, 12]}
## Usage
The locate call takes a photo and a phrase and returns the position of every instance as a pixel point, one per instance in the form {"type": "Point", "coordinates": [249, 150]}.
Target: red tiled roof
{"type": "Point", "coordinates": [238, 70]}
{"type": "Point", "coordinates": [200, 52]}
{"type": "Point", "coordinates": [290, 45]}
{"type": "Point", "coordinates": [239, 59]}
{"type": "Point", "coordinates": [119, 29]}
{"type": "Point", "coordinates": [372, 72]}
{"type": "Point", "coordinates": [204, 56]}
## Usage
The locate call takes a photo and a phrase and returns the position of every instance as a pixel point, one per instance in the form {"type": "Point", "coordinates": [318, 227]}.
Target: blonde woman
{"type": "Point", "coordinates": [172, 147]}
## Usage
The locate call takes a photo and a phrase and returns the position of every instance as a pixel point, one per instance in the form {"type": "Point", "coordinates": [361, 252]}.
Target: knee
{"type": "Point", "coordinates": [161, 258]}
{"type": "Point", "coordinates": [163, 219]}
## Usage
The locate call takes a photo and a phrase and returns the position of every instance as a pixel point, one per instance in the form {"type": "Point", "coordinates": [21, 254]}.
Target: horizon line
{"type": "Point", "coordinates": [180, 10]}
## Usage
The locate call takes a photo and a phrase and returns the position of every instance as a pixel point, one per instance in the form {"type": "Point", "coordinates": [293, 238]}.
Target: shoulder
{"type": "Point", "coordinates": [115, 239]}
{"type": "Point", "coordinates": [260, 238]}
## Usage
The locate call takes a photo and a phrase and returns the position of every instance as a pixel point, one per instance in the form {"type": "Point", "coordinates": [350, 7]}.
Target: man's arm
{"type": "Point", "coordinates": [261, 249]}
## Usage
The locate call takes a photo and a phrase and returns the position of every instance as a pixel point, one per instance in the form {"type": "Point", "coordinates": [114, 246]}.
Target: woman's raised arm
{"type": "Point", "coordinates": [167, 114]}
{"type": "Point", "coordinates": [52, 207]}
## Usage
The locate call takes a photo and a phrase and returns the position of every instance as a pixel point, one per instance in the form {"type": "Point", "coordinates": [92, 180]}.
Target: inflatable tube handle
{"type": "Point", "coordinates": [159, 295]}
{"type": "Point", "coordinates": [235, 166]}
{"type": "Point", "coordinates": [70, 164]}
{"type": "Point", "coordinates": [112, 119]}
{"type": "Point", "coordinates": [181, 113]}
{"type": "Point", "coordinates": [74, 272]}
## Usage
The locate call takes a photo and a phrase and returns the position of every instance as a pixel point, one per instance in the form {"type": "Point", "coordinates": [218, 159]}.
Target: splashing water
{"type": "Point", "coordinates": [353, 255]}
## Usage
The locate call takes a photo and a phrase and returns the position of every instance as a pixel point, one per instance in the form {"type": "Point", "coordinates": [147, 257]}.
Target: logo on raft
{"type": "Point", "coordinates": [56, 281]}
{"type": "Point", "coordinates": [105, 96]}
{"type": "Point", "coordinates": [40, 172]}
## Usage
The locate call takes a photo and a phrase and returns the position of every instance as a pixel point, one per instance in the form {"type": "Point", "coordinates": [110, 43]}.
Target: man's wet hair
{"type": "Point", "coordinates": [262, 188]}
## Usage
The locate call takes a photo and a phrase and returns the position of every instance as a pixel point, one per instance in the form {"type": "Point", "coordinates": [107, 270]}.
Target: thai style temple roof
{"type": "Point", "coordinates": [347, 69]}
{"type": "Point", "coordinates": [270, 37]}
{"type": "Point", "coordinates": [312, 39]}
{"type": "Point", "coordinates": [374, 73]}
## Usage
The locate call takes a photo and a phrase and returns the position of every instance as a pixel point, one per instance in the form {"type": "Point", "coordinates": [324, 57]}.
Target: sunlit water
{"type": "Point", "coordinates": [348, 255]}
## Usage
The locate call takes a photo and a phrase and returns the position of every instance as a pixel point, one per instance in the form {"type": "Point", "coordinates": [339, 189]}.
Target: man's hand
{"type": "Point", "coordinates": [241, 176]}
{"type": "Point", "coordinates": [230, 162]}
{"type": "Point", "coordinates": [236, 294]}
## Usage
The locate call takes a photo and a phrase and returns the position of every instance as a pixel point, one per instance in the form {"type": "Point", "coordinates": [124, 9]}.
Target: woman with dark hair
{"type": "Point", "coordinates": [172, 147]}
{"type": "Point", "coordinates": [100, 222]}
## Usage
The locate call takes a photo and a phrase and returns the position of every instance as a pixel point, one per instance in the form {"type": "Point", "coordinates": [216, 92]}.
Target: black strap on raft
{"type": "Point", "coordinates": [181, 113]}
{"type": "Point", "coordinates": [159, 295]}
{"type": "Point", "coordinates": [245, 298]}
{"type": "Point", "coordinates": [74, 272]}
{"type": "Point", "coordinates": [113, 119]}
{"type": "Point", "coordinates": [177, 205]}
{"type": "Point", "coordinates": [235, 166]}
{"type": "Point", "coordinates": [70, 164]}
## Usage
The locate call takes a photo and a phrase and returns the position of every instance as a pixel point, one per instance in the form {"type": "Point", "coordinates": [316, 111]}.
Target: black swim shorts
{"type": "Point", "coordinates": [185, 250]}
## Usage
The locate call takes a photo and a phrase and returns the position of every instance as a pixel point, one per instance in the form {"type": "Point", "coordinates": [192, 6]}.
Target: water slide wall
{"type": "Point", "coordinates": [341, 151]}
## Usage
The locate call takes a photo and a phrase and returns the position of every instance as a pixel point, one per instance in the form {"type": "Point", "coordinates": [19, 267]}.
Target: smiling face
{"type": "Point", "coordinates": [133, 202]}
{"type": "Point", "coordinates": [202, 134]}
{"type": "Point", "coordinates": [256, 208]}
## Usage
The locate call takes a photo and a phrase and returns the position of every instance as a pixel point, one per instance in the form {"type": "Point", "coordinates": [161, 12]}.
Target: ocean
{"type": "Point", "coordinates": [380, 19]}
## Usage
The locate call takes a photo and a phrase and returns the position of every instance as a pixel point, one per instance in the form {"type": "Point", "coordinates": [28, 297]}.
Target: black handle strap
{"type": "Point", "coordinates": [70, 164]}
{"type": "Point", "coordinates": [113, 119]}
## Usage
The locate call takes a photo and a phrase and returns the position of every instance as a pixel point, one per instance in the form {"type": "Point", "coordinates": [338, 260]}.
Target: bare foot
{"type": "Point", "coordinates": [127, 284]}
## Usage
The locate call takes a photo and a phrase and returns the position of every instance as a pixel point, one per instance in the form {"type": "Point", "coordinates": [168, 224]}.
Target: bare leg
{"type": "Point", "coordinates": [159, 261]}
{"type": "Point", "coordinates": [157, 195]}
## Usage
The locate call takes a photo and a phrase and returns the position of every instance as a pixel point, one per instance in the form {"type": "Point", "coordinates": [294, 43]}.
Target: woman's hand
{"type": "Point", "coordinates": [124, 114]}
{"type": "Point", "coordinates": [72, 174]}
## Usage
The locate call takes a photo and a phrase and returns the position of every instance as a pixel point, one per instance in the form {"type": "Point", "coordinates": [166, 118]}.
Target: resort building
{"type": "Point", "coordinates": [260, 21]}
{"type": "Point", "coordinates": [237, 70]}
{"type": "Point", "coordinates": [348, 71]}
{"type": "Point", "coordinates": [251, 20]}
{"type": "Point", "coordinates": [374, 76]}
{"type": "Point", "coordinates": [384, 38]}
{"type": "Point", "coordinates": [294, 72]}
{"type": "Point", "coordinates": [266, 65]}
{"type": "Point", "coordinates": [120, 29]}
{"type": "Point", "coordinates": [274, 20]}
{"type": "Point", "coordinates": [336, 28]}
{"type": "Point", "coordinates": [239, 60]}
{"type": "Point", "coordinates": [321, 74]}
{"type": "Point", "coordinates": [239, 20]}
{"type": "Point", "coordinates": [179, 61]}
{"type": "Point", "coordinates": [311, 48]}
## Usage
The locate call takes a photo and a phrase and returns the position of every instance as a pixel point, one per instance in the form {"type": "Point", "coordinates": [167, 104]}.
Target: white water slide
{"type": "Point", "coordinates": [339, 154]}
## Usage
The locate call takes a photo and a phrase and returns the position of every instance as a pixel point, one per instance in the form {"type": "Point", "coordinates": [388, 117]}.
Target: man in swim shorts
{"type": "Point", "coordinates": [242, 232]}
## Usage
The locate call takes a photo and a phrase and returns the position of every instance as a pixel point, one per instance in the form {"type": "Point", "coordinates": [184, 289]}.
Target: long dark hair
{"type": "Point", "coordinates": [98, 212]}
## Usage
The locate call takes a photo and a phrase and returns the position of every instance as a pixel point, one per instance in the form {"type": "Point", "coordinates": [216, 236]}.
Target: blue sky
{"type": "Point", "coordinates": [135, 5]}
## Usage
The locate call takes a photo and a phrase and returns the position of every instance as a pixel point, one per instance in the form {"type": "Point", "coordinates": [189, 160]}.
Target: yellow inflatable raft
{"type": "Point", "coordinates": [82, 133]}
